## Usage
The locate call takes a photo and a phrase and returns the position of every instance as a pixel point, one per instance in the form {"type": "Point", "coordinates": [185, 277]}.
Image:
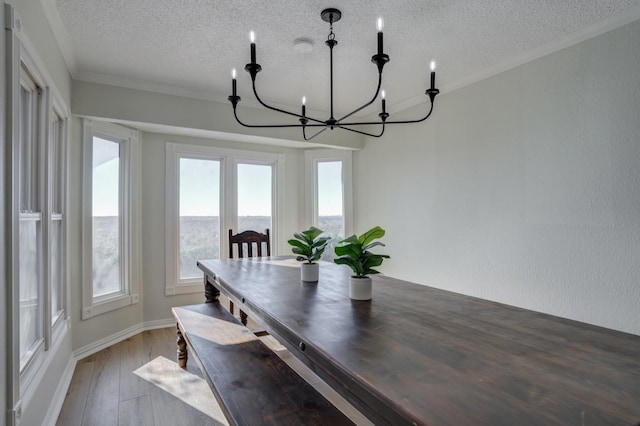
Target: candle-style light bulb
{"type": "Point", "coordinates": [233, 82]}
{"type": "Point", "coordinates": [383, 94]}
{"type": "Point", "coordinates": [384, 101]}
{"type": "Point", "coordinates": [380, 25]}
{"type": "Point", "coordinates": [432, 65]}
{"type": "Point", "coordinates": [304, 106]}
{"type": "Point", "coordinates": [252, 37]}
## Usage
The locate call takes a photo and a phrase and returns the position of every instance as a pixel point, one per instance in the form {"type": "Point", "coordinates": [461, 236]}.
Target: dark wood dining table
{"type": "Point", "coordinates": [419, 355]}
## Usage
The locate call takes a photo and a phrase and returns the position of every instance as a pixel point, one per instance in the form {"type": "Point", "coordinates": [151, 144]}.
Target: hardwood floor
{"type": "Point", "coordinates": [138, 382]}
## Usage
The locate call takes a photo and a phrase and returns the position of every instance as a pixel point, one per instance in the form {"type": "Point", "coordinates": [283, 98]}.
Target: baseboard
{"type": "Point", "coordinates": [105, 342]}
{"type": "Point", "coordinates": [164, 323]}
{"type": "Point", "coordinates": [61, 392]}
{"type": "Point", "coordinates": [118, 337]}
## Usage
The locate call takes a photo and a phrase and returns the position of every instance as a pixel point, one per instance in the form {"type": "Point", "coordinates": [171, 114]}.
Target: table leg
{"type": "Point", "coordinates": [182, 350]}
{"type": "Point", "coordinates": [211, 293]}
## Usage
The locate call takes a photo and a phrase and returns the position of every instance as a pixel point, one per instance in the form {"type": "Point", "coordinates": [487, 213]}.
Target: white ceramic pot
{"type": "Point", "coordinates": [310, 272]}
{"type": "Point", "coordinates": [360, 288]}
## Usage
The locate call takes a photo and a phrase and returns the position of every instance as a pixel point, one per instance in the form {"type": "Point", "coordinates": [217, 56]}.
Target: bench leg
{"type": "Point", "coordinates": [182, 350]}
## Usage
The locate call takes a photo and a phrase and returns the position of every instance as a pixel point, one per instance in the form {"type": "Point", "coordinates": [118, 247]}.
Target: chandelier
{"type": "Point", "coordinates": [331, 16]}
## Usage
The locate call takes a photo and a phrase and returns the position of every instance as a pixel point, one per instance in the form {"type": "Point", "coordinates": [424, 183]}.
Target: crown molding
{"type": "Point", "coordinates": [608, 24]}
{"type": "Point", "coordinates": [165, 89]}
{"type": "Point", "coordinates": [146, 86]}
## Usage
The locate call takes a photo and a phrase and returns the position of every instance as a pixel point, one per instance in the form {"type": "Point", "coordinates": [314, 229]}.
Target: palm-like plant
{"type": "Point", "coordinates": [309, 245]}
{"type": "Point", "coordinates": [354, 252]}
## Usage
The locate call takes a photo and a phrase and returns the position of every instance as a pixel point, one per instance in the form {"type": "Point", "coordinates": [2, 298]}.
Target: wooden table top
{"type": "Point", "coordinates": [419, 355]}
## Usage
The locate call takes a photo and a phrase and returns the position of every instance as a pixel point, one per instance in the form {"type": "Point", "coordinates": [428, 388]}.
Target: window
{"type": "Point", "coordinates": [106, 218]}
{"type": "Point", "coordinates": [35, 191]}
{"type": "Point", "coordinates": [36, 149]}
{"type": "Point", "coordinates": [110, 217]}
{"type": "Point", "coordinates": [30, 288]}
{"type": "Point", "coordinates": [328, 199]}
{"type": "Point", "coordinates": [199, 207]}
{"type": "Point", "coordinates": [330, 196]}
{"type": "Point", "coordinates": [30, 228]}
{"type": "Point", "coordinates": [211, 190]}
{"type": "Point", "coordinates": [57, 167]}
{"type": "Point", "coordinates": [254, 197]}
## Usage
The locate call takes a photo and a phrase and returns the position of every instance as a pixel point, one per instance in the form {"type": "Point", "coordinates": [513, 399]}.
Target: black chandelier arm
{"type": "Point", "coordinates": [368, 103]}
{"type": "Point", "coordinates": [235, 114]}
{"type": "Point", "coordinates": [304, 133]}
{"type": "Point", "coordinates": [255, 92]}
{"type": "Point", "coordinates": [369, 123]}
{"type": "Point", "coordinates": [342, 126]}
{"type": "Point", "coordinates": [414, 121]}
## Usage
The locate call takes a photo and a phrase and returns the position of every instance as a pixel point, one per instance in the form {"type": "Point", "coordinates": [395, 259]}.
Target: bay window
{"type": "Point", "coordinates": [110, 217]}
{"type": "Point", "coordinates": [209, 191]}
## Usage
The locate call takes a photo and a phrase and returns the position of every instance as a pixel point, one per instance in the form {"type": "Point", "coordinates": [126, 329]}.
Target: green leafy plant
{"type": "Point", "coordinates": [309, 245]}
{"type": "Point", "coordinates": [354, 252]}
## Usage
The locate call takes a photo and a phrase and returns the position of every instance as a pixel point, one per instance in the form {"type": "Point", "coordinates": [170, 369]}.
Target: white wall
{"type": "Point", "coordinates": [157, 306]}
{"type": "Point", "coordinates": [139, 106]}
{"type": "Point", "coordinates": [523, 188]}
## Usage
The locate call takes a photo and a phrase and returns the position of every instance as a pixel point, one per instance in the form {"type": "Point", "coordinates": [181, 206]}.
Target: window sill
{"type": "Point", "coordinates": [185, 288]}
{"type": "Point", "coordinates": [111, 304]}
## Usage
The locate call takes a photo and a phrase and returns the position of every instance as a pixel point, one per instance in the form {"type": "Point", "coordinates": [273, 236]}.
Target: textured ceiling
{"type": "Point", "coordinates": [189, 46]}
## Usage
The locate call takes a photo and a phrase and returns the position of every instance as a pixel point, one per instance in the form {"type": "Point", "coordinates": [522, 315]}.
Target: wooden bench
{"type": "Point", "coordinates": [251, 383]}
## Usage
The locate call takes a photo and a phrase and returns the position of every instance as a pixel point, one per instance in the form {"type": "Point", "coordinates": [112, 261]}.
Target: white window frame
{"type": "Point", "coordinates": [63, 134]}
{"type": "Point", "coordinates": [311, 158]}
{"type": "Point", "coordinates": [33, 209]}
{"type": "Point", "coordinates": [21, 54]}
{"type": "Point", "coordinates": [174, 153]}
{"type": "Point", "coordinates": [229, 160]}
{"type": "Point", "coordinates": [257, 160]}
{"type": "Point", "coordinates": [129, 210]}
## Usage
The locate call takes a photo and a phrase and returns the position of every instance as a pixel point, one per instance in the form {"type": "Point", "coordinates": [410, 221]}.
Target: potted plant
{"type": "Point", "coordinates": [354, 252]}
{"type": "Point", "coordinates": [309, 246]}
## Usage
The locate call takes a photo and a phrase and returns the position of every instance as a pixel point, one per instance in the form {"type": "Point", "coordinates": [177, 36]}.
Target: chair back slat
{"type": "Point", "coordinates": [250, 238]}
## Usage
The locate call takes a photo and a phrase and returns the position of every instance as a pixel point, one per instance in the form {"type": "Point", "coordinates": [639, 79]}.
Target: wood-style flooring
{"type": "Point", "coordinates": [138, 382]}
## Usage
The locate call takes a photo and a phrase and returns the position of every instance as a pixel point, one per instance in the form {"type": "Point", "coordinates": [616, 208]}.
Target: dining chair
{"type": "Point", "coordinates": [250, 239]}
{"type": "Point", "coordinates": [248, 244]}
